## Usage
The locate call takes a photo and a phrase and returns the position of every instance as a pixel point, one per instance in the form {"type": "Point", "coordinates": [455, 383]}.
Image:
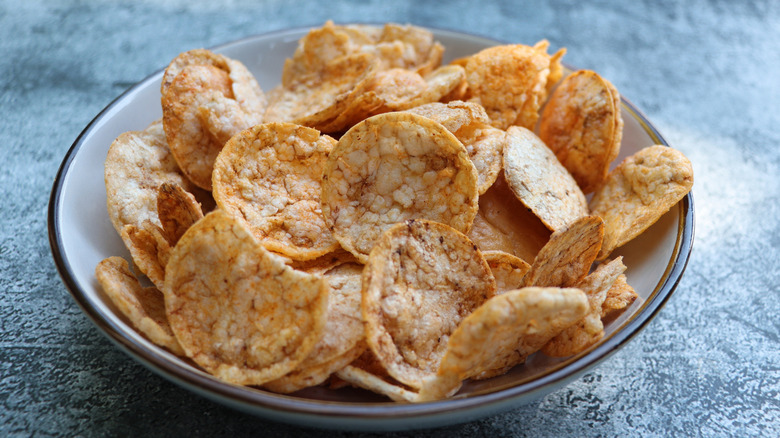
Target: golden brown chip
{"type": "Point", "coordinates": [136, 164]}
{"type": "Point", "coordinates": [508, 270]}
{"type": "Point", "coordinates": [237, 311]}
{"type": "Point", "coordinates": [393, 167]}
{"type": "Point", "coordinates": [269, 176]}
{"type": "Point", "coordinates": [372, 382]}
{"type": "Point", "coordinates": [149, 248]}
{"type": "Point", "coordinates": [421, 280]}
{"type": "Point", "coordinates": [324, 263]}
{"type": "Point", "coordinates": [583, 126]}
{"type": "Point", "coordinates": [505, 224]}
{"type": "Point", "coordinates": [200, 113]}
{"type": "Point", "coordinates": [177, 209]}
{"type": "Point", "coordinates": [540, 181]}
{"type": "Point", "coordinates": [589, 330]}
{"type": "Point", "coordinates": [144, 307]}
{"type": "Point", "coordinates": [510, 81]}
{"type": "Point", "coordinates": [460, 118]}
{"type": "Point", "coordinates": [315, 374]}
{"type": "Point", "coordinates": [568, 255]}
{"type": "Point", "coordinates": [502, 333]}
{"type": "Point", "coordinates": [619, 297]}
{"type": "Point", "coordinates": [638, 192]}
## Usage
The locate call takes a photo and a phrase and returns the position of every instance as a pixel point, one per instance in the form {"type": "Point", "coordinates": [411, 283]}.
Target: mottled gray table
{"type": "Point", "coordinates": [707, 73]}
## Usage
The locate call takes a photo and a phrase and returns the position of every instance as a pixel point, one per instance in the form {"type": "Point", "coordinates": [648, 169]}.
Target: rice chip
{"type": "Point", "coordinates": [619, 297]}
{"type": "Point", "coordinates": [508, 270]}
{"type": "Point", "coordinates": [149, 249]}
{"type": "Point", "coordinates": [177, 209]}
{"type": "Point", "coordinates": [374, 383]}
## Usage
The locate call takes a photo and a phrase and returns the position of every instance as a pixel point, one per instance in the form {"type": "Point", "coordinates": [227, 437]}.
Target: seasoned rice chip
{"type": "Point", "coordinates": [144, 307]}
{"type": "Point", "coordinates": [540, 181]}
{"type": "Point", "coordinates": [510, 81]}
{"type": "Point", "coordinates": [200, 113]}
{"type": "Point", "coordinates": [583, 126]}
{"type": "Point", "coordinates": [177, 209]}
{"type": "Point", "coordinates": [619, 297]}
{"type": "Point", "coordinates": [421, 280]}
{"type": "Point", "coordinates": [342, 339]}
{"type": "Point", "coordinates": [460, 118]}
{"type": "Point", "coordinates": [568, 255]}
{"type": "Point", "coordinates": [393, 167]}
{"type": "Point", "coordinates": [503, 223]}
{"type": "Point", "coordinates": [149, 249]}
{"type": "Point", "coordinates": [590, 329]}
{"type": "Point", "coordinates": [136, 164]}
{"type": "Point", "coordinates": [638, 192]}
{"type": "Point", "coordinates": [508, 270]}
{"type": "Point", "coordinates": [269, 176]}
{"type": "Point", "coordinates": [374, 383]}
{"type": "Point", "coordinates": [502, 333]}
{"type": "Point", "coordinates": [237, 311]}
{"type": "Point", "coordinates": [324, 263]}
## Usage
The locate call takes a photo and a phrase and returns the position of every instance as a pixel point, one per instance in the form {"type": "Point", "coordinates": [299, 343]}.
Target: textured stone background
{"type": "Point", "coordinates": [707, 73]}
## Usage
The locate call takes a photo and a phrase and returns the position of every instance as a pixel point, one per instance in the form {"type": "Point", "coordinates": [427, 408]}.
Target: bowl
{"type": "Point", "coordinates": [81, 235]}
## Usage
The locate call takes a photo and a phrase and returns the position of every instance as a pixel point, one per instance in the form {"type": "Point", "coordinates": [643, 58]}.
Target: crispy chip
{"type": "Point", "coordinates": [144, 307]}
{"type": "Point", "coordinates": [366, 380]}
{"type": "Point", "coordinates": [502, 333]}
{"type": "Point", "coordinates": [540, 181]}
{"type": "Point", "coordinates": [343, 332]}
{"type": "Point", "coordinates": [568, 255]}
{"type": "Point", "coordinates": [393, 167]}
{"type": "Point", "coordinates": [269, 176]}
{"type": "Point", "coordinates": [136, 164]}
{"type": "Point", "coordinates": [510, 81]}
{"type": "Point", "coordinates": [237, 311]}
{"type": "Point", "coordinates": [589, 330]}
{"type": "Point", "coordinates": [583, 126]}
{"type": "Point", "coordinates": [324, 263]}
{"type": "Point", "coordinates": [421, 280]}
{"type": "Point", "coordinates": [149, 248]}
{"type": "Point", "coordinates": [508, 270]}
{"type": "Point", "coordinates": [504, 224]}
{"type": "Point", "coordinates": [638, 192]}
{"type": "Point", "coordinates": [177, 209]}
{"type": "Point", "coordinates": [619, 297]}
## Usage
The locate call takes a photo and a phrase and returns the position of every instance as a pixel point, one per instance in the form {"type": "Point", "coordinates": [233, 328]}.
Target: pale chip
{"type": "Point", "coordinates": [177, 209]}
{"type": "Point", "coordinates": [269, 176]}
{"type": "Point", "coordinates": [508, 270]}
{"type": "Point", "coordinates": [540, 181]}
{"type": "Point", "coordinates": [590, 329]}
{"type": "Point", "coordinates": [638, 192]}
{"type": "Point", "coordinates": [144, 307]}
{"type": "Point", "coordinates": [619, 297]}
{"type": "Point", "coordinates": [393, 167]}
{"type": "Point", "coordinates": [568, 255]}
{"type": "Point", "coordinates": [502, 333]}
{"type": "Point", "coordinates": [136, 164]}
{"type": "Point", "coordinates": [372, 382]}
{"type": "Point", "coordinates": [583, 126]}
{"type": "Point", "coordinates": [421, 280]}
{"type": "Point", "coordinates": [237, 311]}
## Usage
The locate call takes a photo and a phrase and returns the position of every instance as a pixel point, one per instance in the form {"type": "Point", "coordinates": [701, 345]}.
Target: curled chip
{"type": "Point", "coordinates": [540, 181]}
{"type": "Point", "coordinates": [582, 124]}
{"type": "Point", "coordinates": [341, 342]}
{"type": "Point", "coordinates": [421, 280]}
{"type": "Point", "coordinates": [144, 307]}
{"type": "Point", "coordinates": [204, 104]}
{"type": "Point", "coordinates": [619, 297]}
{"type": "Point", "coordinates": [136, 164]}
{"type": "Point", "coordinates": [511, 81]}
{"type": "Point", "coordinates": [638, 191]}
{"type": "Point", "coordinates": [149, 249]}
{"type": "Point", "coordinates": [503, 223]}
{"type": "Point", "coordinates": [177, 209]}
{"type": "Point", "coordinates": [590, 329]}
{"type": "Point", "coordinates": [568, 255]}
{"type": "Point", "coordinates": [393, 167]}
{"type": "Point", "coordinates": [508, 270]}
{"type": "Point", "coordinates": [238, 311]}
{"type": "Point", "coordinates": [269, 176]}
{"type": "Point", "coordinates": [502, 333]}
{"type": "Point", "coordinates": [375, 383]}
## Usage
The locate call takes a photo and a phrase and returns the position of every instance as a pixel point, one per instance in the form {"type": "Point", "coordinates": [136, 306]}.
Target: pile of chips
{"type": "Point", "coordinates": [378, 219]}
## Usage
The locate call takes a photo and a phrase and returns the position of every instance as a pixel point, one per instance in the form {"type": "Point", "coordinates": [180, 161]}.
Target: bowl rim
{"type": "Point", "coordinates": [333, 413]}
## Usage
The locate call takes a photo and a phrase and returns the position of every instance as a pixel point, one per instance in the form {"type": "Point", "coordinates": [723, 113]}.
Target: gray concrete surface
{"type": "Point", "coordinates": [707, 73]}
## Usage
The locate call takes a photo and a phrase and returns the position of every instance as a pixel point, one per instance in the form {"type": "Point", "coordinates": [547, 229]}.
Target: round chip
{"type": "Point", "coordinates": [638, 192]}
{"type": "Point", "coordinates": [421, 280]}
{"type": "Point", "coordinates": [393, 167]}
{"type": "Point", "coordinates": [583, 126]}
{"type": "Point", "coordinates": [269, 176]}
{"type": "Point", "coordinates": [540, 181]}
{"type": "Point", "coordinates": [238, 311]}
{"type": "Point", "coordinates": [502, 333]}
{"type": "Point", "coordinates": [508, 270]}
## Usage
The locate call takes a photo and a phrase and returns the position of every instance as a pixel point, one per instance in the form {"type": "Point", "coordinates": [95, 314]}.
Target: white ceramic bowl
{"type": "Point", "coordinates": [81, 235]}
